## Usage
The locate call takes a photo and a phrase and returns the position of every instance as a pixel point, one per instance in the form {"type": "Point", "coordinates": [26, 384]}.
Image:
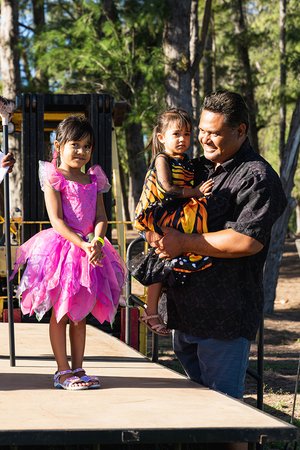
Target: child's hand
{"type": "Point", "coordinates": [152, 238]}
{"type": "Point", "coordinates": [96, 255]}
{"type": "Point", "coordinates": [205, 188]}
{"type": "Point", "coordinates": [87, 247]}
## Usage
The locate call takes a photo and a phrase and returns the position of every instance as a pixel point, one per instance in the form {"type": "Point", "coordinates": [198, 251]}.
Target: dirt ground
{"type": "Point", "coordinates": [282, 343]}
{"type": "Point", "coordinates": [281, 346]}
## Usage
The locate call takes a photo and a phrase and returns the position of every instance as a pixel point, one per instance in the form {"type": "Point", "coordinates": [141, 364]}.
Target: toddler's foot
{"type": "Point", "coordinates": [154, 323]}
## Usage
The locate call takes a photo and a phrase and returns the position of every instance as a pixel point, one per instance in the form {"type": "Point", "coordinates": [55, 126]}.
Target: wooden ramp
{"type": "Point", "coordinates": [140, 402]}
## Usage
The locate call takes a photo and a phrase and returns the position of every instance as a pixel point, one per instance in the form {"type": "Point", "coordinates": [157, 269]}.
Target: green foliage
{"type": "Point", "coordinates": [85, 48]}
{"type": "Point", "coordinates": [82, 49]}
{"type": "Point", "coordinates": [262, 39]}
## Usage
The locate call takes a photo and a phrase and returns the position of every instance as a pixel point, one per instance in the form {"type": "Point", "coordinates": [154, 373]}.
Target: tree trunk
{"type": "Point", "coordinates": [10, 74]}
{"type": "Point", "coordinates": [288, 169]}
{"type": "Point", "coordinates": [208, 66]}
{"type": "Point", "coordinates": [195, 82]}
{"type": "Point", "coordinates": [109, 13]}
{"type": "Point", "coordinates": [298, 218]}
{"type": "Point", "coordinates": [38, 7]}
{"type": "Point", "coordinates": [197, 46]}
{"type": "Point", "coordinates": [282, 87]}
{"type": "Point", "coordinates": [9, 57]}
{"type": "Point", "coordinates": [136, 164]}
{"type": "Point", "coordinates": [183, 51]}
{"type": "Point", "coordinates": [243, 53]}
{"type": "Point", "coordinates": [110, 10]}
{"type": "Point", "coordinates": [176, 48]}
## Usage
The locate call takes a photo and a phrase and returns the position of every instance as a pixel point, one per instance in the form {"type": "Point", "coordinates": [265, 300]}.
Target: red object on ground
{"type": "Point", "coordinates": [17, 315]}
{"type": "Point", "coordinates": [134, 327]}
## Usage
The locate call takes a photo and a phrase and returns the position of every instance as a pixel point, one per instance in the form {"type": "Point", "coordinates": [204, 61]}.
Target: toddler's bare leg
{"type": "Point", "coordinates": [154, 291]}
{"type": "Point", "coordinates": [150, 317]}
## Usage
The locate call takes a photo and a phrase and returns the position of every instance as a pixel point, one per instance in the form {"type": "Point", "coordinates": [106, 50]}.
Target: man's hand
{"type": "Point", "coordinates": [170, 244]}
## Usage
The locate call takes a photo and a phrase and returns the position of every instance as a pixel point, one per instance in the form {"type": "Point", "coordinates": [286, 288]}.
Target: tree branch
{"type": "Point", "coordinates": [20, 24]}
{"type": "Point", "coordinates": [204, 32]}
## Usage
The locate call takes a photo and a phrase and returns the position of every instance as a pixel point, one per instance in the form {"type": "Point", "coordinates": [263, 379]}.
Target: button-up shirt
{"type": "Point", "coordinates": [225, 301]}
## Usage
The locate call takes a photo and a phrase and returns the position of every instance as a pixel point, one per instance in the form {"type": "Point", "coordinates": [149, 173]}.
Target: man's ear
{"type": "Point", "coordinates": [242, 129]}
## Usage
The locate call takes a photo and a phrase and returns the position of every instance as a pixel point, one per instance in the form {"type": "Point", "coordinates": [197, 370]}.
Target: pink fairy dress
{"type": "Point", "coordinates": [58, 273]}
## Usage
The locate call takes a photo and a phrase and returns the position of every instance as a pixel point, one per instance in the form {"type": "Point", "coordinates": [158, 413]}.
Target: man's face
{"type": "Point", "coordinates": [219, 141]}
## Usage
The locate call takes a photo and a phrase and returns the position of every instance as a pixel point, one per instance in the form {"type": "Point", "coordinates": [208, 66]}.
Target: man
{"type": "Point", "coordinates": [216, 313]}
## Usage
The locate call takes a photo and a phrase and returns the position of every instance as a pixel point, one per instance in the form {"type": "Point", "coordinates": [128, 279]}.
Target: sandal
{"type": "Point", "coordinates": [70, 384]}
{"type": "Point", "coordinates": [158, 328]}
{"type": "Point", "coordinates": [94, 382]}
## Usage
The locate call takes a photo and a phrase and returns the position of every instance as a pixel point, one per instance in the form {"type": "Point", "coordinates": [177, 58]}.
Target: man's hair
{"type": "Point", "coordinates": [230, 104]}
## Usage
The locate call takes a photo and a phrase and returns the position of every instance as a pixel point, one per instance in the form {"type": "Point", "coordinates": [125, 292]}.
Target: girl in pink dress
{"type": "Point", "coordinates": [71, 268]}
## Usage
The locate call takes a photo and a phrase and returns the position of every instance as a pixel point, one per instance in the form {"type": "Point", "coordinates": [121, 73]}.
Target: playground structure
{"type": "Point", "coordinates": [36, 116]}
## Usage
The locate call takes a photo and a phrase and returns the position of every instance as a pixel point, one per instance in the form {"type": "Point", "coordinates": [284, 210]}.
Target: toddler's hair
{"type": "Point", "coordinates": [74, 128]}
{"type": "Point", "coordinates": [174, 115]}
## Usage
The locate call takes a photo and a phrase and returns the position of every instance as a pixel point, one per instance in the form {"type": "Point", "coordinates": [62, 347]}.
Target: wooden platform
{"type": "Point", "coordinates": [139, 402]}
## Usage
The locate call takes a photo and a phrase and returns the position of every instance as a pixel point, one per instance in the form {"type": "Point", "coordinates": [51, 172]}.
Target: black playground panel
{"type": "Point", "coordinates": [41, 114]}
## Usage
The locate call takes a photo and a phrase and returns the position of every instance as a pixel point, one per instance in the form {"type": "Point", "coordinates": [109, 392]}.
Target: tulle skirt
{"type": "Point", "coordinates": [58, 275]}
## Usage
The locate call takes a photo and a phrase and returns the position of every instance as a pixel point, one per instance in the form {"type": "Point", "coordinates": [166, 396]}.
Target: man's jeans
{"type": "Point", "coordinates": [218, 364]}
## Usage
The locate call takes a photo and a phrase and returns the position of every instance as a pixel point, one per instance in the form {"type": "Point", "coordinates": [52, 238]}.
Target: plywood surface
{"type": "Point", "coordinates": [135, 394]}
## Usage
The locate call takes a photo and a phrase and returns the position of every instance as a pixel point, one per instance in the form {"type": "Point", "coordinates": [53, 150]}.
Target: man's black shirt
{"type": "Point", "coordinates": [225, 301]}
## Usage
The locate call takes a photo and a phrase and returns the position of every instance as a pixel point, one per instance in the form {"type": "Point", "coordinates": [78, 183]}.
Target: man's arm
{"type": "Point", "coordinates": [220, 244]}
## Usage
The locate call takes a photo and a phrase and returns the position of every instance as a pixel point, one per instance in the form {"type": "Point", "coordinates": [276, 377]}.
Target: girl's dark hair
{"type": "Point", "coordinates": [173, 115]}
{"type": "Point", "coordinates": [230, 104]}
{"type": "Point", "coordinates": [75, 128]}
